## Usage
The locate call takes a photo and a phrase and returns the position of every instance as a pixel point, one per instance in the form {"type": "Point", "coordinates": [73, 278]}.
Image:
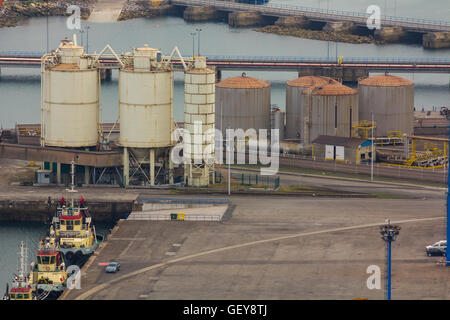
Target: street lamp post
{"type": "Point", "coordinates": [193, 43]}
{"type": "Point", "coordinates": [389, 233]}
{"type": "Point", "coordinates": [87, 39]}
{"type": "Point", "coordinates": [229, 162]}
{"type": "Point", "coordinates": [198, 31]}
{"type": "Point", "coordinates": [447, 262]}
{"type": "Point", "coordinates": [81, 36]}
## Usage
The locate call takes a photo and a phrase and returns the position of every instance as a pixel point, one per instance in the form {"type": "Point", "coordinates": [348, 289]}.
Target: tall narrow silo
{"type": "Point", "coordinates": [294, 110]}
{"type": "Point", "coordinates": [242, 103]}
{"type": "Point", "coordinates": [70, 98]}
{"type": "Point", "coordinates": [391, 99]}
{"type": "Point", "coordinates": [278, 122]}
{"type": "Point", "coordinates": [199, 123]}
{"type": "Point", "coordinates": [329, 110]}
{"type": "Point", "coordinates": [146, 111]}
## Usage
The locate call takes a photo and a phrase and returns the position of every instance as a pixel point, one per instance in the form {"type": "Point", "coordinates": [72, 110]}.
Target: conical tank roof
{"type": "Point", "coordinates": [309, 81]}
{"type": "Point", "coordinates": [242, 82]}
{"type": "Point", "coordinates": [386, 81]}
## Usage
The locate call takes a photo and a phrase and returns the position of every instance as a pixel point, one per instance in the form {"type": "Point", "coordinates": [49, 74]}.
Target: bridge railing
{"type": "Point", "coordinates": [326, 59]}
{"type": "Point", "coordinates": [287, 9]}
{"type": "Point", "coordinates": [241, 58]}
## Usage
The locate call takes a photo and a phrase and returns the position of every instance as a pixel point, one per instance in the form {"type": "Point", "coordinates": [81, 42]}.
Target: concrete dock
{"type": "Point", "coordinates": [273, 248]}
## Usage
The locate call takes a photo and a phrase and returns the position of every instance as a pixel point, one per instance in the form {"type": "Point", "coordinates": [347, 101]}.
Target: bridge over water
{"type": "Point", "coordinates": [347, 68]}
{"type": "Point", "coordinates": [322, 15]}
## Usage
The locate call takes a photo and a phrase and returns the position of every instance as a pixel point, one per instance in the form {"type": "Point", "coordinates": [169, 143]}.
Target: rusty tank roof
{"type": "Point", "coordinates": [386, 81]}
{"type": "Point", "coordinates": [242, 82]}
{"type": "Point", "coordinates": [309, 81]}
{"type": "Point", "coordinates": [331, 89]}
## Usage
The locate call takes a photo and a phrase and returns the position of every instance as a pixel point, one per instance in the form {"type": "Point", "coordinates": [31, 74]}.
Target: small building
{"type": "Point", "coordinates": [348, 150]}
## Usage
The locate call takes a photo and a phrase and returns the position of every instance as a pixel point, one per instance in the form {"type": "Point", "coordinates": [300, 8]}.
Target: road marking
{"type": "Point", "coordinates": [177, 244]}
{"type": "Point", "coordinates": [170, 253]}
{"type": "Point", "coordinates": [102, 286]}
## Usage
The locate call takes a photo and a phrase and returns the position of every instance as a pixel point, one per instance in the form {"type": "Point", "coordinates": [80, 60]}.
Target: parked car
{"type": "Point", "coordinates": [112, 267]}
{"type": "Point", "coordinates": [437, 249]}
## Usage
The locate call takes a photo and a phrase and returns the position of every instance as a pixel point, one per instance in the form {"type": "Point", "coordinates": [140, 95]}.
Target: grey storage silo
{"type": "Point", "coordinates": [242, 102]}
{"type": "Point", "coordinates": [391, 98]}
{"type": "Point", "coordinates": [278, 122]}
{"type": "Point", "coordinates": [329, 110]}
{"type": "Point", "coordinates": [294, 88]}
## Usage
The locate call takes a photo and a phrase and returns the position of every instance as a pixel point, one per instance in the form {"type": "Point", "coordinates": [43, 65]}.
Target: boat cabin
{"type": "Point", "coordinates": [21, 293]}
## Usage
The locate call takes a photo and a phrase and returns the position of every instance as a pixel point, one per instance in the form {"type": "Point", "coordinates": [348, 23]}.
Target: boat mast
{"type": "Point", "coordinates": [72, 185]}
{"type": "Point", "coordinates": [23, 259]}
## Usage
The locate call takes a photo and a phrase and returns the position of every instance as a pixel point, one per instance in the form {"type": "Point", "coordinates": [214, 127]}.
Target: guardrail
{"type": "Point", "coordinates": [398, 60]}
{"type": "Point", "coordinates": [183, 201]}
{"type": "Point", "coordinates": [187, 217]}
{"type": "Point", "coordinates": [323, 14]}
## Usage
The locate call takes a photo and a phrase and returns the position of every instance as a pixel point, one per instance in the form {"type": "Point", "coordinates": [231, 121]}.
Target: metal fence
{"type": "Point", "coordinates": [380, 170]}
{"type": "Point", "coordinates": [246, 179]}
{"type": "Point", "coordinates": [184, 201]}
{"type": "Point", "coordinates": [165, 217]}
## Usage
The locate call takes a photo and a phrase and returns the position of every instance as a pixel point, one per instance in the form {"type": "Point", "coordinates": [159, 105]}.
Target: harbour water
{"type": "Point", "coordinates": [20, 88]}
{"type": "Point", "coordinates": [11, 233]}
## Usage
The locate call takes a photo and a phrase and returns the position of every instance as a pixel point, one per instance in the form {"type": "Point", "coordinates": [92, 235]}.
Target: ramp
{"type": "Point", "coordinates": [107, 11]}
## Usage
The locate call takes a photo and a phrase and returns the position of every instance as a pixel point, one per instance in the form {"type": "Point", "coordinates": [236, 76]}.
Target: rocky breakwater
{"type": "Point", "coordinates": [294, 31]}
{"type": "Point", "coordinates": [148, 9]}
{"type": "Point", "coordinates": [11, 13]}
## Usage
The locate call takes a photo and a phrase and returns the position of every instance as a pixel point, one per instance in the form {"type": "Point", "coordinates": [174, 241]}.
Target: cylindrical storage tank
{"type": "Point", "coordinates": [391, 99]}
{"type": "Point", "coordinates": [329, 110]}
{"type": "Point", "coordinates": [70, 100]}
{"type": "Point", "coordinates": [278, 118]}
{"type": "Point", "coordinates": [145, 101]}
{"type": "Point", "coordinates": [294, 88]}
{"type": "Point", "coordinates": [242, 103]}
{"type": "Point", "coordinates": [199, 99]}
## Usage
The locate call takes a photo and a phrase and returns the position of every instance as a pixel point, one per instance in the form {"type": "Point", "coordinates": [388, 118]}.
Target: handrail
{"type": "Point", "coordinates": [226, 58]}
{"type": "Point", "coordinates": [286, 9]}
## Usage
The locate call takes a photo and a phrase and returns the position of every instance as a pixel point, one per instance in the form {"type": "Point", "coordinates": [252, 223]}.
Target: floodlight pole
{"type": "Point", "coordinates": [373, 150]}
{"type": "Point", "coordinates": [447, 262]}
{"type": "Point", "coordinates": [389, 234]}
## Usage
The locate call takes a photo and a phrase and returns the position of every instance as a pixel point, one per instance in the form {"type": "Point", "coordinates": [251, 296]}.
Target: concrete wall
{"type": "Point", "coordinates": [12, 210]}
{"type": "Point", "coordinates": [436, 40]}
{"type": "Point", "coordinates": [248, 19]}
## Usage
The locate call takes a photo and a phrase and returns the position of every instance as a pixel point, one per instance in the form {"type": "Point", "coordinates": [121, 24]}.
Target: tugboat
{"type": "Point", "coordinates": [48, 274]}
{"type": "Point", "coordinates": [21, 289]}
{"type": "Point", "coordinates": [74, 229]}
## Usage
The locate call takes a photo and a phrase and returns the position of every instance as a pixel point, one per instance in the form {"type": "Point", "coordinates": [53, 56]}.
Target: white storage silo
{"type": "Point", "coordinates": [70, 98]}
{"type": "Point", "coordinates": [199, 123]}
{"type": "Point", "coordinates": [145, 108]}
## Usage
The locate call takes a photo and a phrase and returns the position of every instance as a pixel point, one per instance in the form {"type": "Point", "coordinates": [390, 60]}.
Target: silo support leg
{"type": "Point", "coordinates": [58, 173]}
{"type": "Point", "coordinates": [170, 169]}
{"type": "Point", "coordinates": [126, 167]}
{"type": "Point", "coordinates": [86, 174]}
{"type": "Point", "coordinates": [152, 167]}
